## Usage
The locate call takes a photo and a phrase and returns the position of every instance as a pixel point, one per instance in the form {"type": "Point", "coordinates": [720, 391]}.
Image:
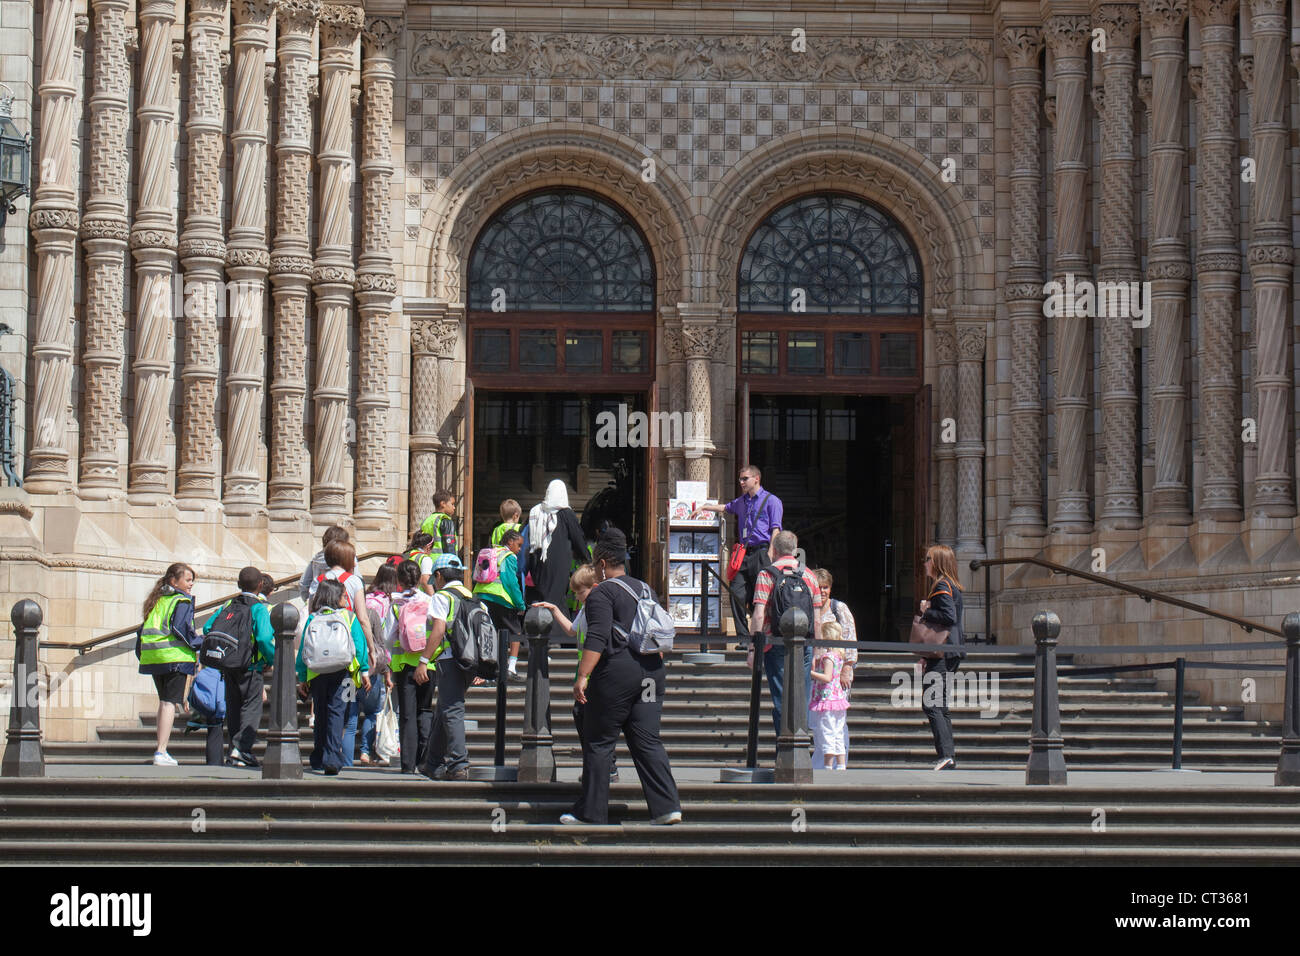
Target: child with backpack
{"type": "Point", "coordinates": [580, 583]}
{"type": "Point", "coordinates": [496, 583]}
{"type": "Point", "coordinates": [166, 643]}
{"type": "Point", "coordinates": [318, 565]}
{"type": "Point", "coordinates": [240, 641]}
{"type": "Point", "coordinates": [410, 639]}
{"type": "Point", "coordinates": [511, 513]}
{"type": "Point", "coordinates": [828, 702]}
{"type": "Point", "coordinates": [341, 555]}
{"type": "Point", "coordinates": [331, 657]}
{"type": "Point", "coordinates": [422, 554]}
{"type": "Point", "coordinates": [383, 624]}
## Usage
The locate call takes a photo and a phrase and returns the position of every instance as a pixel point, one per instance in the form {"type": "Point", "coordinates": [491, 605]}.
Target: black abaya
{"type": "Point", "coordinates": [551, 571]}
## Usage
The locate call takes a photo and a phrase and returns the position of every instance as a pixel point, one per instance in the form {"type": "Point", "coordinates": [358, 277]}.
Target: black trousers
{"type": "Point", "coordinates": [742, 587]}
{"type": "Point", "coordinates": [934, 704]}
{"type": "Point", "coordinates": [414, 717]}
{"type": "Point", "coordinates": [579, 711]}
{"type": "Point", "coordinates": [243, 708]}
{"type": "Point", "coordinates": [625, 695]}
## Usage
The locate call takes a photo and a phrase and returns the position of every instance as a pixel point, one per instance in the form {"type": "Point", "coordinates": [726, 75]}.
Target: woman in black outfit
{"type": "Point", "coordinates": [942, 610]}
{"type": "Point", "coordinates": [554, 537]}
{"type": "Point", "coordinates": [611, 683]}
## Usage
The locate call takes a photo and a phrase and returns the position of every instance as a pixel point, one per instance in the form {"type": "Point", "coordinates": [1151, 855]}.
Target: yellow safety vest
{"type": "Point", "coordinates": [496, 587]}
{"type": "Point", "coordinates": [500, 530]}
{"type": "Point", "coordinates": [158, 645]}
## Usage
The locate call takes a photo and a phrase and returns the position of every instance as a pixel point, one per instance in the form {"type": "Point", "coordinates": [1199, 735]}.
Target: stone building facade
{"type": "Point", "coordinates": [240, 291]}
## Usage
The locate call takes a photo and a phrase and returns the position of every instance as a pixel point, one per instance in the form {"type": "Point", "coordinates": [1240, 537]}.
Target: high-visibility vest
{"type": "Point", "coordinates": [433, 525]}
{"type": "Point", "coordinates": [500, 530]}
{"type": "Point", "coordinates": [158, 645]}
{"type": "Point", "coordinates": [496, 588]}
{"type": "Point", "coordinates": [415, 554]}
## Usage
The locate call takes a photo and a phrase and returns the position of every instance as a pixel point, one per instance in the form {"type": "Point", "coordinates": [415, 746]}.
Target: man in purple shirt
{"type": "Point", "coordinates": [758, 517]}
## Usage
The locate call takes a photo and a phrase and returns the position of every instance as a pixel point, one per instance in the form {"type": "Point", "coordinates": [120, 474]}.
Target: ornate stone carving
{"type": "Point", "coordinates": [1180, 271]}
{"type": "Point", "coordinates": [1164, 17]}
{"type": "Point", "coordinates": [284, 264]}
{"type": "Point", "coordinates": [970, 342]}
{"type": "Point", "coordinates": [333, 275]}
{"type": "Point", "coordinates": [700, 341]}
{"type": "Point", "coordinates": [1121, 23]}
{"type": "Point", "coordinates": [434, 337]}
{"type": "Point", "coordinates": [298, 15]}
{"type": "Point", "coordinates": [248, 258]}
{"type": "Point", "coordinates": [438, 53]}
{"type": "Point", "coordinates": [945, 347]}
{"type": "Point", "coordinates": [1270, 254]}
{"type": "Point", "coordinates": [1246, 67]}
{"type": "Point", "coordinates": [105, 229]}
{"type": "Point", "coordinates": [1067, 36]}
{"type": "Point", "coordinates": [1022, 46]}
{"type": "Point", "coordinates": [375, 282]}
{"type": "Point", "coordinates": [1144, 91]}
{"type": "Point", "coordinates": [47, 219]}
{"type": "Point", "coordinates": [1212, 13]}
{"type": "Point", "coordinates": [381, 36]}
{"type": "Point", "coordinates": [1194, 80]}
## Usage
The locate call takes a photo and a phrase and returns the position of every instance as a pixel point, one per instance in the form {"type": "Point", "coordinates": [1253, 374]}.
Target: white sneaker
{"type": "Point", "coordinates": [568, 819]}
{"type": "Point", "coordinates": [947, 763]}
{"type": "Point", "coordinates": [162, 758]}
{"type": "Point", "coordinates": [667, 820]}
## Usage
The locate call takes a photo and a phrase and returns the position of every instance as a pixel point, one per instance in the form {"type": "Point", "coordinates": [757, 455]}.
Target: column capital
{"type": "Point", "coordinates": [700, 340]}
{"type": "Point", "coordinates": [970, 340]}
{"type": "Point", "coordinates": [1022, 45]}
{"type": "Point", "coordinates": [1215, 13]}
{"type": "Point", "coordinates": [1165, 18]}
{"type": "Point", "coordinates": [1068, 36]}
{"type": "Point", "coordinates": [1260, 9]}
{"type": "Point", "coordinates": [430, 336]}
{"type": "Point", "coordinates": [380, 37]}
{"type": "Point", "coordinates": [339, 24]}
{"type": "Point", "coordinates": [254, 12]}
{"type": "Point", "coordinates": [1121, 23]}
{"type": "Point", "coordinates": [298, 16]}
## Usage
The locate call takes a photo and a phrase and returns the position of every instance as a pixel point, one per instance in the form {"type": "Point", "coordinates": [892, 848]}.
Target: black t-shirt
{"type": "Point", "coordinates": [607, 605]}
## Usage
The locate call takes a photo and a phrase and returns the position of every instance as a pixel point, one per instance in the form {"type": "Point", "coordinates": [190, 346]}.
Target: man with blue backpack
{"type": "Point", "coordinates": [496, 583]}
{"type": "Point", "coordinates": [240, 641]}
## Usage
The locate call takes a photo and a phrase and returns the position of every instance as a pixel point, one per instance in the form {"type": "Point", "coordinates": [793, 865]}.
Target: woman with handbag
{"type": "Point", "coordinates": [940, 612]}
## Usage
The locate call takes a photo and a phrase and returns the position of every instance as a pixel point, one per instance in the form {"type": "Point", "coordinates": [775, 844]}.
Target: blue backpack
{"type": "Point", "coordinates": [208, 695]}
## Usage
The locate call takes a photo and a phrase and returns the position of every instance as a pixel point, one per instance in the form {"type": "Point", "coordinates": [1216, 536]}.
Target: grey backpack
{"type": "Point", "coordinates": [652, 629]}
{"type": "Point", "coordinates": [327, 643]}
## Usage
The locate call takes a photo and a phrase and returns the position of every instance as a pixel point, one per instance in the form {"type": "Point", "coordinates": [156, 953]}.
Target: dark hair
{"type": "Point", "coordinates": [266, 585]}
{"type": "Point", "coordinates": [333, 533]}
{"type": "Point", "coordinates": [450, 574]}
{"type": "Point", "coordinates": [441, 498]}
{"type": "Point", "coordinates": [420, 540]}
{"type": "Point", "coordinates": [329, 594]}
{"type": "Point", "coordinates": [249, 579]}
{"type": "Point", "coordinates": [341, 554]}
{"type": "Point", "coordinates": [408, 575]}
{"type": "Point", "coordinates": [510, 536]}
{"type": "Point", "coordinates": [173, 572]}
{"type": "Point", "coordinates": [611, 547]}
{"type": "Point", "coordinates": [385, 579]}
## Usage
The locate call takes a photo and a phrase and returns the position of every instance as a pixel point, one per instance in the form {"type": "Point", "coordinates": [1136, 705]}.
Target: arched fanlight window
{"type": "Point", "coordinates": [845, 255]}
{"type": "Point", "coordinates": [562, 251]}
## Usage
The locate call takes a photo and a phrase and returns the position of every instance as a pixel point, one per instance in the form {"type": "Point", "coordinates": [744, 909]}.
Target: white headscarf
{"type": "Point", "coordinates": [543, 518]}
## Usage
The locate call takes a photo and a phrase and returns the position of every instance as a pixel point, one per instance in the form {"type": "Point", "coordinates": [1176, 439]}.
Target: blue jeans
{"type": "Point", "coordinates": [774, 667]}
{"type": "Point", "coordinates": [372, 705]}
{"type": "Point", "coordinates": [327, 697]}
{"type": "Point", "coordinates": [350, 727]}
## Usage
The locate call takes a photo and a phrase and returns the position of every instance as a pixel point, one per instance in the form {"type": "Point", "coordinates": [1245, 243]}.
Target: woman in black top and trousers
{"type": "Point", "coordinates": [612, 680]}
{"type": "Point", "coordinates": [942, 610]}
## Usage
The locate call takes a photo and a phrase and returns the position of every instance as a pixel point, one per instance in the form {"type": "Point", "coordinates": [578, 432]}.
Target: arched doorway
{"type": "Point", "coordinates": [561, 318]}
{"type": "Point", "coordinates": [832, 407]}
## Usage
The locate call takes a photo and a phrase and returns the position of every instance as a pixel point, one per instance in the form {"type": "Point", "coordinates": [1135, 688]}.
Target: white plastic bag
{"type": "Point", "coordinates": [386, 731]}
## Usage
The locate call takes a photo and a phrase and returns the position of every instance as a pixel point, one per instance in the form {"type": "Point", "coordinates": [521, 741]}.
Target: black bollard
{"type": "Point", "coordinates": [499, 770]}
{"type": "Point", "coordinates": [1046, 746]}
{"type": "Point", "coordinates": [793, 757]}
{"type": "Point", "coordinates": [1288, 760]}
{"type": "Point", "coordinates": [24, 755]}
{"type": "Point", "coordinates": [283, 760]}
{"type": "Point", "coordinates": [751, 772]}
{"type": "Point", "coordinates": [536, 757]}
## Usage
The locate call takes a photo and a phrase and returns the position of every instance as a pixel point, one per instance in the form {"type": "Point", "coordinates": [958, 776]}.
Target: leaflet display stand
{"type": "Point", "coordinates": [695, 541]}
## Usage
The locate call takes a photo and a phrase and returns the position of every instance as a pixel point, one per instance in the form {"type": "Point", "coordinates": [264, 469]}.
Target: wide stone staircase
{"type": "Point", "coordinates": [1109, 723]}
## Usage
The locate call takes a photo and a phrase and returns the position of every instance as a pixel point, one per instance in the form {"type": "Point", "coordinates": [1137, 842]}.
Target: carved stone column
{"type": "Point", "coordinates": [945, 452]}
{"type": "Point", "coordinates": [334, 275]}
{"type": "Point", "coordinates": [1025, 281]}
{"type": "Point", "coordinates": [433, 339]}
{"type": "Point", "coordinates": [376, 283]}
{"type": "Point", "coordinates": [675, 353]}
{"type": "Point", "coordinates": [701, 341]}
{"type": "Point", "coordinates": [1218, 264]}
{"type": "Point", "coordinates": [970, 437]}
{"type": "Point", "coordinates": [54, 225]}
{"type": "Point", "coordinates": [247, 261]}
{"type": "Point", "coordinates": [291, 261]}
{"type": "Point", "coordinates": [153, 243]}
{"type": "Point", "coordinates": [1068, 38]}
{"type": "Point", "coordinates": [1121, 507]}
{"type": "Point", "coordinates": [1270, 256]}
{"type": "Point", "coordinates": [203, 253]}
{"type": "Point", "coordinates": [105, 233]}
{"type": "Point", "coordinates": [1168, 267]}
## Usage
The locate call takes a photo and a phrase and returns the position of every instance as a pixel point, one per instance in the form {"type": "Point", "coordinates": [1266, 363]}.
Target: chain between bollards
{"type": "Point", "coordinates": [25, 755]}
{"type": "Point", "coordinates": [283, 759]}
{"type": "Point", "coordinates": [1046, 745]}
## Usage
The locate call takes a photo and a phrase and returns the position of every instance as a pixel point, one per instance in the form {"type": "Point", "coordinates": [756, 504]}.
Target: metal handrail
{"type": "Point", "coordinates": [130, 631]}
{"type": "Point", "coordinates": [1144, 593]}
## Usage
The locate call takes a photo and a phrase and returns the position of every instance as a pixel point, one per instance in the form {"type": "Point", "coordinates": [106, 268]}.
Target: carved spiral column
{"type": "Point", "coordinates": [1121, 507]}
{"type": "Point", "coordinates": [675, 351]}
{"type": "Point", "coordinates": [334, 275]}
{"type": "Point", "coordinates": [1218, 264]}
{"type": "Point", "coordinates": [433, 341]}
{"type": "Point", "coordinates": [970, 437]}
{"type": "Point", "coordinates": [945, 452]}
{"type": "Point", "coordinates": [1270, 256]}
{"type": "Point", "coordinates": [105, 233]}
{"type": "Point", "coordinates": [153, 243]}
{"type": "Point", "coordinates": [1068, 38]}
{"type": "Point", "coordinates": [1025, 282]}
{"type": "Point", "coordinates": [1168, 268]}
{"type": "Point", "coordinates": [54, 225]}
{"type": "Point", "coordinates": [203, 252]}
{"type": "Point", "coordinates": [247, 260]}
{"type": "Point", "coordinates": [291, 260]}
{"type": "Point", "coordinates": [701, 342]}
{"type": "Point", "coordinates": [376, 283]}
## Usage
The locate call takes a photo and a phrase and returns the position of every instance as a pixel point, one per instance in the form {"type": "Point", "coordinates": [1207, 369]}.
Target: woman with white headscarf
{"type": "Point", "coordinates": [553, 536]}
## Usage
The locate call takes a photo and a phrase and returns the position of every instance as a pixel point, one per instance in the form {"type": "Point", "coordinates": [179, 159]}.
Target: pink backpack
{"type": "Point", "coordinates": [485, 567]}
{"type": "Point", "coordinates": [413, 623]}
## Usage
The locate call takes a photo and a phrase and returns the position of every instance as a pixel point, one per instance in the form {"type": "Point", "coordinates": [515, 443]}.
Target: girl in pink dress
{"type": "Point", "coordinates": [828, 702]}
